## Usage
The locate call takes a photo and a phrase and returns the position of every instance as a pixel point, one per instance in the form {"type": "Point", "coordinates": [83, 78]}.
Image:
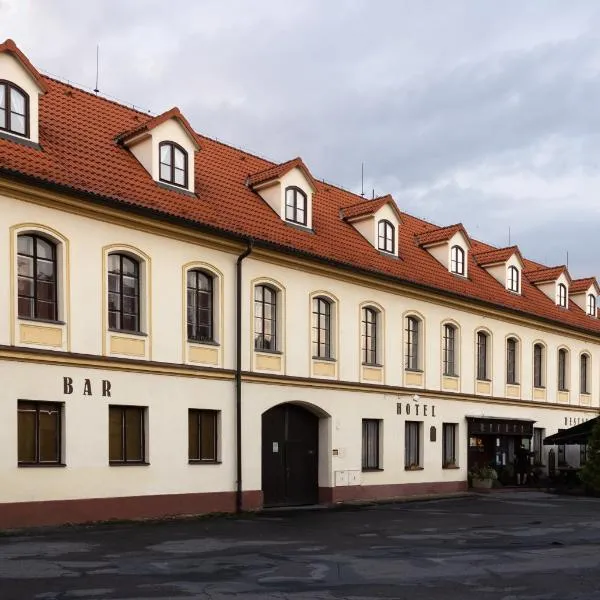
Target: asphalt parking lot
{"type": "Point", "coordinates": [515, 545]}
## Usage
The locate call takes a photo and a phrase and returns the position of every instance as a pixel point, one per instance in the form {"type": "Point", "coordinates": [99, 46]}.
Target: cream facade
{"type": "Point", "coordinates": [152, 368]}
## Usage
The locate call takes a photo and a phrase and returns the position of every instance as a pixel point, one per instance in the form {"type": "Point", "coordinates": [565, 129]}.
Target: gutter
{"type": "Point", "coordinates": [238, 373]}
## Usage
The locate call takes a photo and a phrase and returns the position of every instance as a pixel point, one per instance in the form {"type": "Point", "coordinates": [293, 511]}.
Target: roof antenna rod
{"type": "Point", "coordinates": [373, 194]}
{"type": "Point", "coordinates": [96, 90]}
{"type": "Point", "coordinates": [362, 179]}
{"type": "Point", "coordinates": [509, 235]}
{"type": "Point", "coordinates": [567, 259]}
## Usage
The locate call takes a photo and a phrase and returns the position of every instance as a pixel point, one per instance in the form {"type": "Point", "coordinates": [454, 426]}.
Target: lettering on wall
{"type": "Point", "coordinates": [103, 388]}
{"type": "Point", "coordinates": [570, 421]}
{"type": "Point", "coordinates": [415, 410]}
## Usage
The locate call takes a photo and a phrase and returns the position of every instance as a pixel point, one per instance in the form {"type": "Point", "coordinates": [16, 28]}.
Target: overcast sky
{"type": "Point", "coordinates": [482, 111]}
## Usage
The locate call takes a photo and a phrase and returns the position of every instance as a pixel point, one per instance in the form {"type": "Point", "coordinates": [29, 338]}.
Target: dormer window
{"type": "Point", "coordinates": [512, 282]}
{"type": "Point", "coordinates": [591, 305]}
{"type": "Point", "coordinates": [295, 205]}
{"type": "Point", "coordinates": [561, 296]}
{"type": "Point", "coordinates": [457, 260]}
{"type": "Point", "coordinates": [173, 164]}
{"type": "Point", "coordinates": [386, 237]}
{"type": "Point", "coordinates": [14, 109]}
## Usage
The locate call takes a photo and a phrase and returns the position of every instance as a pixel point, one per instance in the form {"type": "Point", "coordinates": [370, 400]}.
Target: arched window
{"type": "Point", "coordinates": [538, 365]}
{"type": "Point", "coordinates": [200, 306]}
{"type": "Point", "coordinates": [173, 164]}
{"type": "Point", "coordinates": [123, 293]}
{"type": "Point", "coordinates": [386, 237]}
{"type": "Point", "coordinates": [591, 305]}
{"type": "Point", "coordinates": [512, 351]}
{"type": "Point", "coordinates": [321, 327]}
{"type": "Point", "coordinates": [584, 368]}
{"type": "Point", "coordinates": [295, 205]}
{"type": "Point", "coordinates": [14, 109]}
{"type": "Point", "coordinates": [563, 359]}
{"type": "Point", "coordinates": [369, 335]}
{"type": "Point", "coordinates": [37, 293]}
{"type": "Point", "coordinates": [457, 260]}
{"type": "Point", "coordinates": [513, 279]}
{"type": "Point", "coordinates": [562, 295]}
{"type": "Point", "coordinates": [265, 317]}
{"type": "Point", "coordinates": [413, 327]}
{"type": "Point", "coordinates": [482, 355]}
{"type": "Point", "coordinates": [449, 350]}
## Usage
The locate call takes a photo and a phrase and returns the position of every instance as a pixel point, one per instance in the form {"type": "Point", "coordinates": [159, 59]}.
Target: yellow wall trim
{"type": "Point", "coordinates": [539, 393]}
{"type": "Point", "coordinates": [127, 346]}
{"type": "Point", "coordinates": [324, 368]}
{"type": "Point", "coordinates": [203, 354]}
{"type": "Point", "coordinates": [450, 383]}
{"type": "Point", "coordinates": [483, 387]}
{"type": "Point", "coordinates": [41, 335]}
{"type": "Point", "coordinates": [411, 378]}
{"type": "Point", "coordinates": [268, 362]}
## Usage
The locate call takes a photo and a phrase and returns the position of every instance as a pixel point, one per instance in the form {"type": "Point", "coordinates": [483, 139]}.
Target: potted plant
{"type": "Point", "coordinates": [483, 478]}
{"type": "Point", "coordinates": [451, 464]}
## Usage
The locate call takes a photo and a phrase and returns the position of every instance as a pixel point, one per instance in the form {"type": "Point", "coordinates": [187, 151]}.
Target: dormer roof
{"type": "Point", "coordinates": [10, 47]}
{"type": "Point", "coordinates": [368, 208]}
{"type": "Point", "coordinates": [580, 286]}
{"type": "Point", "coordinates": [496, 256]}
{"type": "Point", "coordinates": [547, 274]}
{"type": "Point", "coordinates": [278, 171]}
{"type": "Point", "coordinates": [440, 235]}
{"type": "Point", "coordinates": [150, 124]}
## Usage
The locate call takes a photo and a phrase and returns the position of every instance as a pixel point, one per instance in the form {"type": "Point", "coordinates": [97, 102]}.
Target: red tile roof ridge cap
{"type": "Point", "coordinates": [152, 122]}
{"type": "Point", "coordinates": [422, 238]}
{"type": "Point", "coordinates": [9, 45]}
{"type": "Point", "coordinates": [480, 257]}
{"type": "Point", "coordinates": [532, 271]}
{"type": "Point", "coordinates": [582, 284]}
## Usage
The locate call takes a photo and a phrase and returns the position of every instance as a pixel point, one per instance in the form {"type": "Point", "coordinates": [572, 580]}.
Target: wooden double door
{"type": "Point", "coordinates": [290, 456]}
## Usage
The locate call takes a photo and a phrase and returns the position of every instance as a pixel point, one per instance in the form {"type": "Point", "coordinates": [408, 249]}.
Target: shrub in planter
{"type": "Point", "coordinates": [483, 477]}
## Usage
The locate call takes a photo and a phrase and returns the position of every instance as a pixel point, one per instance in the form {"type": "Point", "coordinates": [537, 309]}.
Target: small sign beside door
{"type": "Point", "coordinates": [275, 447]}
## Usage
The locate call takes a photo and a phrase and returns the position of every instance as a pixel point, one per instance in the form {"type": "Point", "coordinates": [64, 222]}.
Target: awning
{"type": "Point", "coordinates": [500, 426]}
{"type": "Point", "coordinates": [575, 435]}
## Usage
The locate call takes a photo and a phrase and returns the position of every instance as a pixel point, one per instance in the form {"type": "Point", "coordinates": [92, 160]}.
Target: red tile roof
{"type": "Point", "coordinates": [369, 207]}
{"type": "Point", "coordinates": [499, 255]}
{"type": "Point", "coordinates": [78, 150]}
{"type": "Point", "coordinates": [546, 274]}
{"type": "Point", "coordinates": [10, 47]}
{"type": "Point", "coordinates": [150, 124]}
{"type": "Point", "coordinates": [277, 171]}
{"type": "Point", "coordinates": [579, 286]}
{"type": "Point", "coordinates": [441, 234]}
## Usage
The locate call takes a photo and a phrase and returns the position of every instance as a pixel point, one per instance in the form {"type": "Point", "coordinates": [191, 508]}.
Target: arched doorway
{"type": "Point", "coordinates": [290, 456]}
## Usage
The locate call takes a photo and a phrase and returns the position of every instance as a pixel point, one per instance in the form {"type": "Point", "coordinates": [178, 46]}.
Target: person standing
{"type": "Point", "coordinates": [521, 465]}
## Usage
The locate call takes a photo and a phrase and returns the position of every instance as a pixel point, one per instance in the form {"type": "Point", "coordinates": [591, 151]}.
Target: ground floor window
{"type": "Point", "coordinates": [538, 440]}
{"type": "Point", "coordinates": [371, 458]}
{"type": "Point", "coordinates": [203, 435]}
{"type": "Point", "coordinates": [561, 455]}
{"type": "Point", "coordinates": [449, 434]}
{"type": "Point", "coordinates": [127, 434]}
{"type": "Point", "coordinates": [39, 433]}
{"type": "Point", "coordinates": [412, 444]}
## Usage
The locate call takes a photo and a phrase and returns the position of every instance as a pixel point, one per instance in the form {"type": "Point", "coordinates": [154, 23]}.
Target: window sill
{"type": "Point", "coordinates": [24, 465]}
{"type": "Point", "coordinates": [512, 383]}
{"type": "Point", "coordinates": [388, 254]}
{"type": "Point", "coordinates": [192, 461]}
{"type": "Point", "coordinates": [414, 370]}
{"type": "Point", "coordinates": [173, 187]}
{"type": "Point", "coordinates": [203, 343]}
{"type": "Point", "coordinates": [19, 139]}
{"type": "Point", "coordinates": [299, 226]}
{"type": "Point", "coordinates": [414, 468]}
{"type": "Point", "coordinates": [454, 375]}
{"type": "Point", "coordinates": [449, 468]}
{"type": "Point", "coordinates": [324, 358]}
{"type": "Point", "coordinates": [372, 469]}
{"type": "Point", "coordinates": [484, 380]}
{"type": "Point", "coordinates": [539, 387]}
{"type": "Point", "coordinates": [377, 365]}
{"type": "Point", "coordinates": [128, 464]}
{"type": "Point", "coordinates": [279, 352]}
{"type": "Point", "coordinates": [127, 332]}
{"type": "Point", "coordinates": [36, 320]}
{"type": "Point", "coordinates": [563, 390]}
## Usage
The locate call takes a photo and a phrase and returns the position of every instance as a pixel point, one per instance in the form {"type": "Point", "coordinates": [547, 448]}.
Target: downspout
{"type": "Point", "coordinates": [238, 373]}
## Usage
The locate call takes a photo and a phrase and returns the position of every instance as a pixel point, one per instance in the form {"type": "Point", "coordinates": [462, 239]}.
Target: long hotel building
{"type": "Point", "coordinates": [187, 328]}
